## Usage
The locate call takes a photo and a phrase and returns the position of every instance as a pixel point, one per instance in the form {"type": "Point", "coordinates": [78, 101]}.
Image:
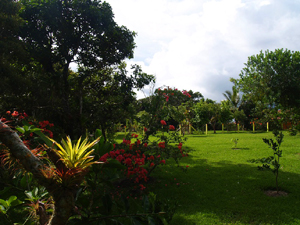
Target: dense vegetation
{"type": "Point", "coordinates": [91, 176]}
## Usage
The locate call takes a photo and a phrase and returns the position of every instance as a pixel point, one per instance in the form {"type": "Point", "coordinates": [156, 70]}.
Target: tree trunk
{"type": "Point", "coordinates": [63, 197]}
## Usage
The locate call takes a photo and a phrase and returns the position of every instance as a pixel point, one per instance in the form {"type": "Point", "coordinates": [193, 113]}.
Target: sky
{"type": "Point", "coordinates": [199, 45]}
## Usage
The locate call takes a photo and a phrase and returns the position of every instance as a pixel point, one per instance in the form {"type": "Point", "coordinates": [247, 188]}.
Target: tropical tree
{"type": "Point", "coordinates": [272, 78]}
{"type": "Point", "coordinates": [272, 81]}
{"type": "Point", "coordinates": [225, 113]}
{"type": "Point", "coordinates": [107, 96]}
{"type": "Point", "coordinates": [233, 97]}
{"type": "Point", "coordinates": [12, 55]}
{"type": "Point", "coordinates": [55, 34]}
{"type": "Point", "coordinates": [206, 111]}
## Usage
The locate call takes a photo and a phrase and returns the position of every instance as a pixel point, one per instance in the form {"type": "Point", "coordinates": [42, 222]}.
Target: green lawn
{"type": "Point", "coordinates": [221, 187]}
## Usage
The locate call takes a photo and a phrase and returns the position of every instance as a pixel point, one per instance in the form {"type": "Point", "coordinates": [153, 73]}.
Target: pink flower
{"type": "Point", "coordinates": [163, 122]}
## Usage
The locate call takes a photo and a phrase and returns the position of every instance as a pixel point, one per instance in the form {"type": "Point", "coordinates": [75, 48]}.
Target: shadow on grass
{"type": "Point", "coordinates": [240, 148]}
{"type": "Point", "coordinates": [226, 193]}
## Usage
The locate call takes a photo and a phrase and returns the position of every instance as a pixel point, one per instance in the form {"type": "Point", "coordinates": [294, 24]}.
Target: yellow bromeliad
{"type": "Point", "coordinates": [76, 155]}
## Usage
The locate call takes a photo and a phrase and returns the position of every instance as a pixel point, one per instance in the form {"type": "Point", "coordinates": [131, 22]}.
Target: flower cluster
{"type": "Point", "coordinates": [184, 92]}
{"type": "Point", "coordinates": [44, 125]}
{"type": "Point", "coordinates": [133, 160]}
{"type": "Point", "coordinates": [15, 115]}
{"type": "Point", "coordinates": [16, 119]}
{"type": "Point", "coordinates": [167, 92]}
{"type": "Point", "coordinates": [139, 158]}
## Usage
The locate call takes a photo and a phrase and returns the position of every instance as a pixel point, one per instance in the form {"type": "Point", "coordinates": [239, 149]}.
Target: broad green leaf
{"type": "Point", "coordinates": [20, 129]}
{"type": "Point", "coordinates": [11, 199]}
{"type": "Point", "coordinates": [3, 203]}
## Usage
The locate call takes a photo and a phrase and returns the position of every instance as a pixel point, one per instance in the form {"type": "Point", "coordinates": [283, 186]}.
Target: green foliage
{"type": "Point", "coordinates": [168, 104]}
{"type": "Point", "coordinates": [225, 112]}
{"type": "Point", "coordinates": [272, 78]}
{"type": "Point", "coordinates": [81, 32]}
{"type": "Point", "coordinates": [233, 97]}
{"type": "Point", "coordinates": [240, 116]}
{"type": "Point", "coordinates": [207, 112]}
{"type": "Point", "coordinates": [6, 205]}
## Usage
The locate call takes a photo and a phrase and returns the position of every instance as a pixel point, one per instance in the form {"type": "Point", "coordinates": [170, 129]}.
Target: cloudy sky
{"type": "Point", "coordinates": [199, 44]}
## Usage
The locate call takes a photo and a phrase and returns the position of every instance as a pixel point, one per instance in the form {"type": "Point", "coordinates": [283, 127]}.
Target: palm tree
{"type": "Point", "coordinates": [233, 97]}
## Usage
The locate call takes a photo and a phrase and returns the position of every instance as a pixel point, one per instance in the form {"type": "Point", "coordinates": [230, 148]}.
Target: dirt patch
{"type": "Point", "coordinates": [273, 193]}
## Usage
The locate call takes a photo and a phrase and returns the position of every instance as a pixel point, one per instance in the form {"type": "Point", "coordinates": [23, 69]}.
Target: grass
{"type": "Point", "coordinates": [221, 187]}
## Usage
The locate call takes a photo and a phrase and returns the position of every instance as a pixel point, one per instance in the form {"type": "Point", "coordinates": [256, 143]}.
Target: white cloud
{"type": "Point", "coordinates": [200, 44]}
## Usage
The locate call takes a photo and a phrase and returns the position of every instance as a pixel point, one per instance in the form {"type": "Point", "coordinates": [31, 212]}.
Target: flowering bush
{"type": "Point", "coordinates": [26, 126]}
{"type": "Point", "coordinates": [95, 186]}
{"type": "Point", "coordinates": [141, 158]}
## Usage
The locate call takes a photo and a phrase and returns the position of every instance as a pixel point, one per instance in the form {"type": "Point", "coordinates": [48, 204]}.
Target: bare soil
{"type": "Point", "coordinates": [273, 193]}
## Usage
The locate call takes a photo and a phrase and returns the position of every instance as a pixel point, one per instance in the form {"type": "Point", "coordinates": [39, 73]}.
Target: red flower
{"type": "Point", "coordinates": [167, 98]}
{"type": "Point", "coordinates": [152, 164]}
{"type": "Point", "coordinates": [163, 122]}
{"type": "Point", "coordinates": [162, 144]}
{"type": "Point", "coordinates": [8, 112]}
{"type": "Point", "coordinates": [15, 114]}
{"type": "Point", "coordinates": [145, 129]}
{"type": "Point", "coordinates": [2, 119]}
{"type": "Point", "coordinates": [163, 161]}
{"type": "Point", "coordinates": [151, 157]}
{"type": "Point", "coordinates": [171, 127]}
{"type": "Point", "coordinates": [25, 114]}
{"type": "Point", "coordinates": [145, 145]}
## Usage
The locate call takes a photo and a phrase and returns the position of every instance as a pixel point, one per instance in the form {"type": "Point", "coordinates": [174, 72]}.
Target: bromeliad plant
{"type": "Point", "coordinates": [72, 160]}
{"type": "Point", "coordinates": [76, 155]}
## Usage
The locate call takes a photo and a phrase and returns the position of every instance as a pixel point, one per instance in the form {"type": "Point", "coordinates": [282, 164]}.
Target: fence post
{"type": "Point", "coordinates": [267, 126]}
{"type": "Point", "coordinates": [206, 129]}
